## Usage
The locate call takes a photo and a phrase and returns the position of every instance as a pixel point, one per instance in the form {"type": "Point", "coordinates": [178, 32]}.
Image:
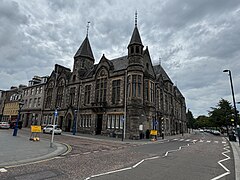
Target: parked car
{"type": "Point", "coordinates": [216, 132]}
{"type": "Point", "coordinates": [4, 125]}
{"type": "Point", "coordinates": [13, 124]}
{"type": "Point", "coordinates": [49, 129]}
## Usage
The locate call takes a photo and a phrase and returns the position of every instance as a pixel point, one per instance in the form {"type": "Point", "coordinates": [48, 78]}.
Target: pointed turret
{"type": "Point", "coordinates": [135, 46]}
{"type": "Point", "coordinates": [135, 39]}
{"type": "Point", "coordinates": [85, 50]}
{"type": "Point", "coordinates": [84, 59]}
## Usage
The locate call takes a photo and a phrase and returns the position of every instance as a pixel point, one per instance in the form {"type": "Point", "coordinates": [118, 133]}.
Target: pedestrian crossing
{"type": "Point", "coordinates": [199, 140]}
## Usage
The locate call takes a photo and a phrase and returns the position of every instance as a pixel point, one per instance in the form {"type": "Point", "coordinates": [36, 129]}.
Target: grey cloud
{"type": "Point", "coordinates": [195, 39]}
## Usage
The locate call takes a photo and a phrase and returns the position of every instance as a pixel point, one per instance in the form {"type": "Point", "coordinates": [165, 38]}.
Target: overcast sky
{"type": "Point", "coordinates": [195, 39]}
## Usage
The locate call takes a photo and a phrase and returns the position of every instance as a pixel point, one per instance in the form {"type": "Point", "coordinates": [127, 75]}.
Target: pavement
{"type": "Point", "coordinates": [236, 153]}
{"type": "Point", "coordinates": [33, 151]}
{"type": "Point", "coordinates": [19, 150]}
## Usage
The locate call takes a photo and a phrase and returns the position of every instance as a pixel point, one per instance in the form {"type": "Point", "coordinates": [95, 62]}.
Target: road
{"type": "Point", "coordinates": [195, 156]}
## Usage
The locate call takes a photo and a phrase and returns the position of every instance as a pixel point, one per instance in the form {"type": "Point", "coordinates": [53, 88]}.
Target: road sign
{"type": "Point", "coordinates": [55, 113]}
{"type": "Point", "coordinates": [36, 129]}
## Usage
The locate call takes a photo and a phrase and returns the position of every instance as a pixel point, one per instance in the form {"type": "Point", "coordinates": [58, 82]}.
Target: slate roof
{"type": "Point", "coordinates": [85, 50]}
{"type": "Point", "coordinates": [135, 39]}
{"type": "Point", "coordinates": [120, 63]}
{"type": "Point", "coordinates": [159, 70]}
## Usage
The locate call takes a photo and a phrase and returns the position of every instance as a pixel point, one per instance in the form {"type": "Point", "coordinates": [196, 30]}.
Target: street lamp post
{"type": "Point", "coordinates": [74, 122]}
{"type": "Point", "coordinates": [234, 103]}
{"type": "Point", "coordinates": [18, 118]}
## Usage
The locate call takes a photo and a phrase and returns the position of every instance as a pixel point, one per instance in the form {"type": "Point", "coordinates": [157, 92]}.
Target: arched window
{"type": "Point", "coordinates": [60, 90]}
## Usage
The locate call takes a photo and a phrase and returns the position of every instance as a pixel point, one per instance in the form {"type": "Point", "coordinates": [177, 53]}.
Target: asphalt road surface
{"type": "Point", "coordinates": [189, 157]}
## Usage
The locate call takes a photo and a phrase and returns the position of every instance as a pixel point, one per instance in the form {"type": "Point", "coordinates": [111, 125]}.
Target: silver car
{"type": "Point", "coordinates": [4, 125]}
{"type": "Point", "coordinates": [49, 129]}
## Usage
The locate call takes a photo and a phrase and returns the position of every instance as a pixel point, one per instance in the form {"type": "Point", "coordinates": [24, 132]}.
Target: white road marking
{"type": "Point", "coordinates": [166, 154]}
{"type": "Point", "coordinates": [175, 139]}
{"type": "Point", "coordinates": [201, 140]}
{"type": "Point", "coordinates": [74, 155]}
{"type": "Point", "coordinates": [87, 153]}
{"type": "Point", "coordinates": [181, 140]}
{"type": "Point", "coordinates": [220, 163]}
{"type": "Point", "coordinates": [3, 170]}
{"type": "Point", "coordinates": [208, 141]}
{"type": "Point", "coordinates": [224, 142]}
{"type": "Point", "coordinates": [188, 140]}
{"type": "Point", "coordinates": [124, 169]}
{"type": "Point", "coordinates": [216, 141]}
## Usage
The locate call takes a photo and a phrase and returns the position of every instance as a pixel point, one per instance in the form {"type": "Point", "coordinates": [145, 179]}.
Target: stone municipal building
{"type": "Point", "coordinates": [97, 97]}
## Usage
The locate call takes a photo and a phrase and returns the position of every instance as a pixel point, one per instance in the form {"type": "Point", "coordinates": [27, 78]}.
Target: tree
{"type": "Point", "coordinates": [222, 114]}
{"type": "Point", "coordinates": [190, 120]}
{"type": "Point", "coordinates": [203, 121]}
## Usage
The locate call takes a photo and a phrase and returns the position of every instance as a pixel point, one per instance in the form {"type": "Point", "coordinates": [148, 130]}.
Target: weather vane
{"type": "Point", "coordinates": [136, 18]}
{"type": "Point", "coordinates": [88, 24]}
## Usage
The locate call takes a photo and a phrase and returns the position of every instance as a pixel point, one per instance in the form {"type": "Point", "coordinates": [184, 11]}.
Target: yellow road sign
{"type": "Point", "coordinates": [36, 129]}
{"type": "Point", "coordinates": [153, 132]}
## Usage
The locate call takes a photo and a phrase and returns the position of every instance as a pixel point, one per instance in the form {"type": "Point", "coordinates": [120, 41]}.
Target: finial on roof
{"type": "Point", "coordinates": [136, 18]}
{"type": "Point", "coordinates": [88, 24]}
{"type": "Point", "coordinates": [160, 60]}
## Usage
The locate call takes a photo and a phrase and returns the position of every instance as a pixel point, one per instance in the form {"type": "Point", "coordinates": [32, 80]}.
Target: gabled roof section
{"type": "Point", "coordinates": [120, 63]}
{"type": "Point", "coordinates": [159, 70]}
{"type": "Point", "coordinates": [135, 39]}
{"type": "Point", "coordinates": [85, 50]}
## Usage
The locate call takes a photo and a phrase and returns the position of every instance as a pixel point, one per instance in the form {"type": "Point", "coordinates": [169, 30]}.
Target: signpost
{"type": "Point", "coordinates": [54, 121]}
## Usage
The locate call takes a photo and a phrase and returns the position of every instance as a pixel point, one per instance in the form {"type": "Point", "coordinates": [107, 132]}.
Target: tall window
{"type": "Point", "coordinates": [72, 95]}
{"type": "Point", "coordinates": [87, 94]}
{"type": "Point", "coordinates": [147, 90]}
{"type": "Point", "coordinates": [41, 89]}
{"type": "Point", "coordinates": [32, 91]}
{"type": "Point", "coordinates": [134, 85]}
{"type": "Point", "coordinates": [115, 91]}
{"type": "Point", "coordinates": [39, 102]}
{"type": "Point", "coordinates": [60, 94]}
{"type": "Point", "coordinates": [151, 91]}
{"type": "Point", "coordinates": [101, 90]}
{"type": "Point", "coordinates": [139, 85]}
{"type": "Point", "coordinates": [49, 97]}
{"type": "Point", "coordinates": [35, 102]}
{"type": "Point", "coordinates": [129, 86]}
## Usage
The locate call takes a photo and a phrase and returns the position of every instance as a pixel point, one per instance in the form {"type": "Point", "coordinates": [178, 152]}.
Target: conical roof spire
{"type": "Point", "coordinates": [85, 49]}
{"type": "Point", "coordinates": [135, 39]}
